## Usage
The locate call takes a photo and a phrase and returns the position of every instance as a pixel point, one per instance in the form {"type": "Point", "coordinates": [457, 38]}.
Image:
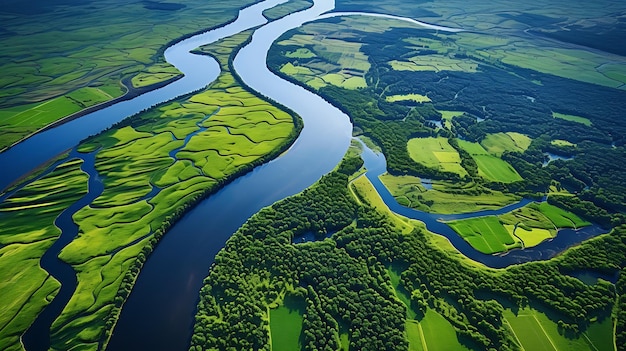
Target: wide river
{"type": "Point", "coordinates": [159, 312]}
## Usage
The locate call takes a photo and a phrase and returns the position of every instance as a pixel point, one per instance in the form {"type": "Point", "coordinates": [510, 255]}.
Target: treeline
{"type": "Point", "coordinates": [620, 318]}
{"type": "Point", "coordinates": [259, 262]}
{"type": "Point", "coordinates": [146, 120]}
{"type": "Point", "coordinates": [345, 284]}
{"type": "Point", "coordinates": [509, 99]}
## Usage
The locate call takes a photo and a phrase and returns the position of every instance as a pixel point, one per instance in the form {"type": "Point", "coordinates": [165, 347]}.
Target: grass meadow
{"type": "Point", "coordinates": [489, 166]}
{"type": "Point", "coordinates": [485, 234]}
{"type": "Point", "coordinates": [74, 57]}
{"type": "Point", "coordinates": [436, 153]}
{"type": "Point", "coordinates": [286, 324]}
{"type": "Point", "coordinates": [27, 232]}
{"type": "Point", "coordinates": [535, 331]}
{"type": "Point", "coordinates": [182, 149]}
{"type": "Point", "coordinates": [445, 197]}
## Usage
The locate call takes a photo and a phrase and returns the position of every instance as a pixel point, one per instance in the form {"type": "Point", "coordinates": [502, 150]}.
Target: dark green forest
{"type": "Point", "coordinates": [345, 284]}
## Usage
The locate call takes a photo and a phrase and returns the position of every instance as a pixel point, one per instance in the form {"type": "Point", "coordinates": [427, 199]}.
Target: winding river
{"type": "Point", "coordinates": [158, 314]}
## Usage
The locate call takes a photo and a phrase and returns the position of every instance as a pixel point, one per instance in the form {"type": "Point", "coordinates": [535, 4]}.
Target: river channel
{"type": "Point", "coordinates": [158, 314]}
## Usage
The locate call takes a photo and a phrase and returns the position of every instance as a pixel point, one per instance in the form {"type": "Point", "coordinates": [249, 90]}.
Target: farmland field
{"type": "Point", "coordinates": [489, 166]}
{"type": "Point", "coordinates": [498, 143]}
{"type": "Point", "coordinates": [572, 118]}
{"type": "Point", "coordinates": [485, 234]}
{"type": "Point", "coordinates": [444, 197]}
{"type": "Point", "coordinates": [286, 324]}
{"type": "Point", "coordinates": [436, 153]}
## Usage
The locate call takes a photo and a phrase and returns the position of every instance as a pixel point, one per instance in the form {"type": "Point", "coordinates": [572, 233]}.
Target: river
{"type": "Point", "coordinates": [376, 165]}
{"type": "Point", "coordinates": [159, 312]}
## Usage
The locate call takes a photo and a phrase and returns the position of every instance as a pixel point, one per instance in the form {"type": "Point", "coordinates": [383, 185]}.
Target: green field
{"type": "Point", "coordinates": [572, 118]}
{"type": "Point", "coordinates": [155, 74]}
{"type": "Point", "coordinates": [560, 142]}
{"type": "Point", "coordinates": [17, 122]}
{"type": "Point", "coordinates": [439, 334]}
{"type": "Point", "coordinates": [240, 130]}
{"type": "Point", "coordinates": [530, 236]}
{"type": "Point", "coordinates": [84, 52]}
{"type": "Point", "coordinates": [409, 97]}
{"type": "Point", "coordinates": [286, 8]}
{"type": "Point", "coordinates": [286, 324]}
{"type": "Point", "coordinates": [436, 153]}
{"type": "Point", "coordinates": [434, 63]}
{"type": "Point", "coordinates": [535, 331]}
{"type": "Point", "coordinates": [485, 234]}
{"type": "Point", "coordinates": [432, 331]}
{"type": "Point", "coordinates": [448, 116]}
{"type": "Point", "coordinates": [489, 166]}
{"type": "Point", "coordinates": [562, 218]}
{"type": "Point", "coordinates": [445, 197]}
{"type": "Point", "coordinates": [330, 60]}
{"type": "Point", "coordinates": [498, 143]}
{"type": "Point", "coordinates": [27, 232]}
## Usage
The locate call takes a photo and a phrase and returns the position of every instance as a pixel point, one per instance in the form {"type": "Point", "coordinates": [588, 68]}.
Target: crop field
{"type": "Point", "coordinates": [330, 59]}
{"type": "Point", "coordinates": [20, 121]}
{"type": "Point", "coordinates": [444, 197]}
{"type": "Point", "coordinates": [490, 166]}
{"type": "Point", "coordinates": [101, 45]}
{"type": "Point", "coordinates": [485, 234]}
{"type": "Point", "coordinates": [498, 143]}
{"type": "Point", "coordinates": [286, 324]}
{"type": "Point", "coordinates": [535, 331]}
{"type": "Point", "coordinates": [561, 218]}
{"type": "Point", "coordinates": [286, 8]}
{"type": "Point", "coordinates": [531, 236]}
{"type": "Point", "coordinates": [409, 97]}
{"type": "Point", "coordinates": [27, 232]}
{"type": "Point", "coordinates": [155, 74]}
{"type": "Point", "coordinates": [439, 334]}
{"type": "Point", "coordinates": [436, 153]}
{"type": "Point", "coordinates": [414, 335]}
{"type": "Point", "coordinates": [538, 222]}
{"type": "Point", "coordinates": [434, 63]}
{"type": "Point", "coordinates": [572, 118]}
{"type": "Point", "coordinates": [178, 151]}
{"type": "Point", "coordinates": [528, 216]}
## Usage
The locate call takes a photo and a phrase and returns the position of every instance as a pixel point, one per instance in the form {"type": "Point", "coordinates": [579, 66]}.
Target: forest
{"type": "Point", "coordinates": [347, 290]}
{"type": "Point", "coordinates": [525, 103]}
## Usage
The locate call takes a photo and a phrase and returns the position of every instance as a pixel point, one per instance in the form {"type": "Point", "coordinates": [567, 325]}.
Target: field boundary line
{"type": "Point", "coordinates": [545, 333]}
{"type": "Point", "coordinates": [514, 334]}
{"type": "Point", "coordinates": [424, 346]}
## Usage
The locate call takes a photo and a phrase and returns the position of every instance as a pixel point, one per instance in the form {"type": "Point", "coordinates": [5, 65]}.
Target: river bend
{"type": "Point", "coordinates": [159, 312]}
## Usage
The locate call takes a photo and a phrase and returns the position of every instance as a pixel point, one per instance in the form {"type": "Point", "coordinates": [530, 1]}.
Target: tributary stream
{"type": "Point", "coordinates": [159, 312]}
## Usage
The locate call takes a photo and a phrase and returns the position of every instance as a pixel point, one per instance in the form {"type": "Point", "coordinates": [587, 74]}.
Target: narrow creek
{"type": "Point", "coordinates": [376, 165]}
{"type": "Point", "coordinates": [37, 337]}
{"type": "Point", "coordinates": [158, 314]}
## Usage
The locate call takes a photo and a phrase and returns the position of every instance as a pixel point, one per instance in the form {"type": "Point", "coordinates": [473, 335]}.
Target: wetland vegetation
{"type": "Point", "coordinates": [154, 167]}
{"type": "Point", "coordinates": [97, 60]}
{"type": "Point", "coordinates": [467, 121]}
{"type": "Point", "coordinates": [385, 282]}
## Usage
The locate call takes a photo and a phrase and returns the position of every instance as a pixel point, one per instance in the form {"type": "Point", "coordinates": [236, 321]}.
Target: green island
{"type": "Point", "coordinates": [526, 102]}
